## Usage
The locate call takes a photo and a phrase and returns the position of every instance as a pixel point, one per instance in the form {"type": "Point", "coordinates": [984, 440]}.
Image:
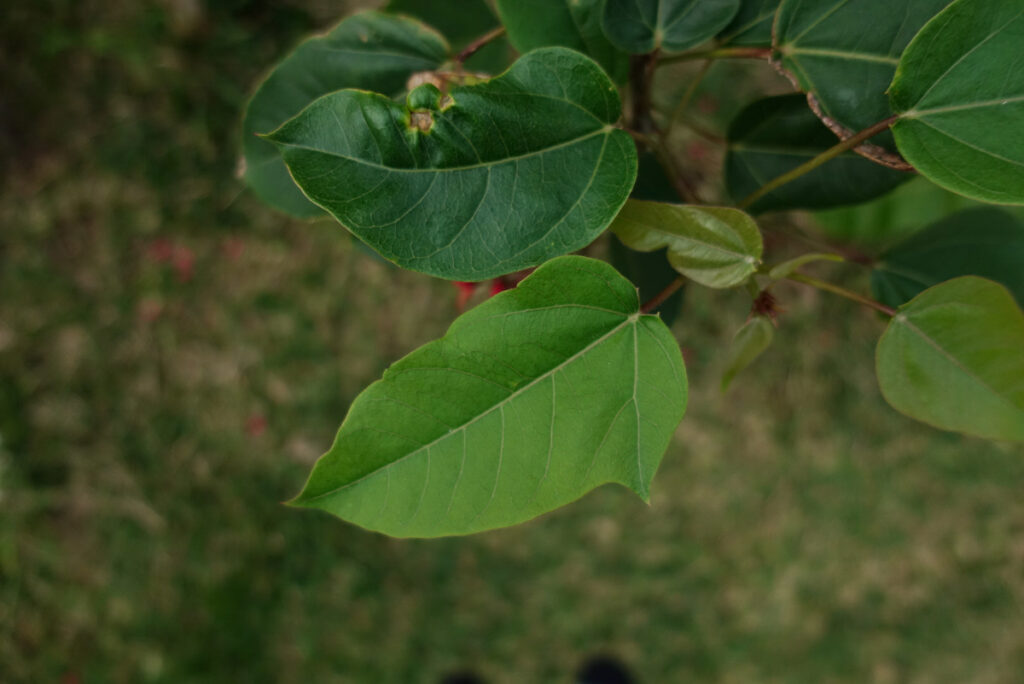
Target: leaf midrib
{"type": "Point", "coordinates": [412, 57]}
{"type": "Point", "coordinates": [981, 104]}
{"type": "Point", "coordinates": [849, 55]}
{"type": "Point", "coordinates": [742, 256]}
{"type": "Point", "coordinates": [631, 318]}
{"type": "Point", "coordinates": [469, 167]}
{"type": "Point", "coordinates": [956, 362]}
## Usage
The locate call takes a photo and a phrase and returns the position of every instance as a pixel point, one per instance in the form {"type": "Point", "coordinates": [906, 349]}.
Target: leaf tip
{"type": "Point", "coordinates": [268, 137]}
{"type": "Point", "coordinates": [642, 490]}
{"type": "Point", "coordinates": [300, 500]}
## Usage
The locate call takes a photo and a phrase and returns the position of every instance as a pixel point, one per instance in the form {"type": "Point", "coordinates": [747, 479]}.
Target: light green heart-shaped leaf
{"type": "Point", "coordinates": [649, 271]}
{"type": "Point", "coordinates": [845, 54]}
{"type": "Point", "coordinates": [986, 242]}
{"type": "Point", "coordinates": [486, 180]}
{"type": "Point", "coordinates": [959, 91]}
{"type": "Point", "coordinates": [575, 24]}
{"type": "Point", "coordinates": [752, 340]}
{"type": "Point", "coordinates": [371, 50]}
{"type": "Point", "coordinates": [777, 134]}
{"type": "Point", "coordinates": [528, 402]}
{"type": "Point", "coordinates": [642, 26]}
{"type": "Point", "coordinates": [752, 25]}
{"type": "Point", "coordinates": [954, 358]}
{"type": "Point", "coordinates": [714, 246]}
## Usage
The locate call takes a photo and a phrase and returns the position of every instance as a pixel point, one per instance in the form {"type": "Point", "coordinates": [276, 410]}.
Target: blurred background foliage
{"type": "Point", "coordinates": [174, 356]}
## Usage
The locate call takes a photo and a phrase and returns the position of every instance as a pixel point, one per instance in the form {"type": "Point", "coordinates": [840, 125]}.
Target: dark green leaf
{"type": "Point", "coordinates": [985, 242]}
{"type": "Point", "coordinates": [898, 214]}
{"type": "Point", "coordinates": [959, 91]}
{"type": "Point", "coordinates": [370, 51]}
{"type": "Point", "coordinates": [531, 400]}
{"type": "Point", "coordinates": [954, 358]}
{"type": "Point", "coordinates": [777, 134]}
{"type": "Point", "coordinates": [641, 26]}
{"type": "Point", "coordinates": [461, 22]}
{"type": "Point", "coordinates": [714, 246]}
{"type": "Point", "coordinates": [490, 179]}
{"type": "Point", "coordinates": [575, 24]}
{"type": "Point", "coordinates": [752, 25]}
{"type": "Point", "coordinates": [749, 343]}
{"type": "Point", "coordinates": [652, 183]}
{"type": "Point", "coordinates": [845, 53]}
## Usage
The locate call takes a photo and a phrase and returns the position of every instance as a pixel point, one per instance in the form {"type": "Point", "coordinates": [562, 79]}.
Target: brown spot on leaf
{"type": "Point", "coordinates": [421, 120]}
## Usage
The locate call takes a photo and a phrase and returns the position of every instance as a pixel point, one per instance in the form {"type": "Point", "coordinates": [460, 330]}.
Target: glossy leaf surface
{"type": "Point", "coordinates": [371, 51]}
{"type": "Point", "coordinates": [985, 242]}
{"type": "Point", "coordinates": [959, 91]}
{"type": "Point", "coordinates": [714, 246]}
{"type": "Point", "coordinates": [490, 179]}
{"type": "Point", "coordinates": [641, 26]}
{"type": "Point", "coordinates": [575, 24]}
{"type": "Point", "coordinates": [845, 53]}
{"type": "Point", "coordinates": [528, 402]}
{"type": "Point", "coordinates": [777, 134]}
{"type": "Point", "coordinates": [752, 25]}
{"type": "Point", "coordinates": [954, 358]}
{"type": "Point", "coordinates": [752, 340]}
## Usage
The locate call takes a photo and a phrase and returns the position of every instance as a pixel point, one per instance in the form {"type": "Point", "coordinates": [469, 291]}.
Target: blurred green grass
{"type": "Point", "coordinates": [173, 357]}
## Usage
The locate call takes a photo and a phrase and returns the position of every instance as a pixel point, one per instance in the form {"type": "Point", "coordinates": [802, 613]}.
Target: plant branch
{"type": "Point", "coordinates": [720, 53]}
{"type": "Point", "coordinates": [477, 44]}
{"type": "Point", "coordinates": [660, 298]}
{"type": "Point", "coordinates": [641, 80]}
{"type": "Point", "coordinates": [842, 292]}
{"type": "Point", "coordinates": [643, 128]}
{"type": "Point", "coordinates": [808, 166]}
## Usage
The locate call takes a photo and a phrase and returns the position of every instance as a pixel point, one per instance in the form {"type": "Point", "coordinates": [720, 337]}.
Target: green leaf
{"type": "Point", "coordinates": [959, 91]}
{"type": "Point", "coordinates": [752, 25]}
{"type": "Point", "coordinates": [788, 268]}
{"type": "Point", "coordinates": [714, 246]}
{"type": "Point", "coordinates": [954, 358]}
{"type": "Point", "coordinates": [777, 134]}
{"type": "Point", "coordinates": [490, 179]}
{"type": "Point", "coordinates": [528, 402]}
{"type": "Point", "coordinates": [461, 23]}
{"type": "Point", "coordinates": [642, 26]}
{"type": "Point", "coordinates": [649, 271]}
{"type": "Point", "coordinates": [575, 24]}
{"type": "Point", "coordinates": [898, 214]}
{"type": "Point", "coordinates": [985, 242]}
{"type": "Point", "coordinates": [845, 54]}
{"type": "Point", "coordinates": [749, 343]}
{"type": "Point", "coordinates": [371, 51]}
